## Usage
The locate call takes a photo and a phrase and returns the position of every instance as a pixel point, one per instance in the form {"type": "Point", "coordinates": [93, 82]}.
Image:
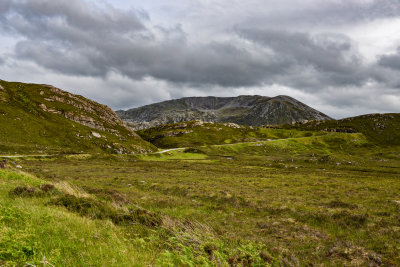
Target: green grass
{"type": "Point", "coordinates": [172, 155]}
{"type": "Point", "coordinates": [328, 200]}
{"type": "Point", "coordinates": [71, 227]}
{"type": "Point", "coordinates": [194, 133]}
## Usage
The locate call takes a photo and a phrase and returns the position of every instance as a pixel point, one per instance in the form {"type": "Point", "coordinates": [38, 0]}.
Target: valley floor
{"type": "Point", "coordinates": [302, 207]}
{"type": "Point", "coordinates": [327, 200]}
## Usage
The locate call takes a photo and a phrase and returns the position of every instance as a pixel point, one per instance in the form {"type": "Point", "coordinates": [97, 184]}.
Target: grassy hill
{"type": "Point", "coordinates": [40, 119]}
{"type": "Point", "coordinates": [380, 129]}
{"type": "Point", "coordinates": [198, 133]}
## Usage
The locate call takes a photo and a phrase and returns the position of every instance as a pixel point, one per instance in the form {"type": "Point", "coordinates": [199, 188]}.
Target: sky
{"type": "Point", "coordinates": [341, 57]}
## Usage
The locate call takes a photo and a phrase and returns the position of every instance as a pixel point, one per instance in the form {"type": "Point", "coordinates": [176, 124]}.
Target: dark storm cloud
{"type": "Point", "coordinates": [79, 38]}
{"type": "Point", "coordinates": [330, 57]}
{"type": "Point", "coordinates": [391, 61]}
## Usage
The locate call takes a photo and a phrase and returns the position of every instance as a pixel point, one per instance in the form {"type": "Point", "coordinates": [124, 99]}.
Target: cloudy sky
{"type": "Point", "coordinates": [339, 56]}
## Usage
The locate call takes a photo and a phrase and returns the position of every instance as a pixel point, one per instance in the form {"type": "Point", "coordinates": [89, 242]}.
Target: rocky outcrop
{"type": "Point", "coordinates": [244, 110]}
{"type": "Point", "coordinates": [87, 112]}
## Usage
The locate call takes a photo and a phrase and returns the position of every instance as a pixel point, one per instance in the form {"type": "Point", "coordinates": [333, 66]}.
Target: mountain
{"type": "Point", "coordinates": [38, 118]}
{"type": "Point", "coordinates": [244, 110]}
{"type": "Point", "coordinates": [381, 129]}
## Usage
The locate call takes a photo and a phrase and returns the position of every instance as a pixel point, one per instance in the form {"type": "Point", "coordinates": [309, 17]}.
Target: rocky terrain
{"type": "Point", "coordinates": [39, 118]}
{"type": "Point", "coordinates": [244, 110]}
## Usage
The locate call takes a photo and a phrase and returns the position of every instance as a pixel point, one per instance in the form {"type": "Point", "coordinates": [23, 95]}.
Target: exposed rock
{"type": "Point", "coordinates": [96, 116]}
{"type": "Point", "coordinates": [96, 134]}
{"type": "Point", "coordinates": [43, 106]}
{"type": "Point", "coordinates": [244, 110]}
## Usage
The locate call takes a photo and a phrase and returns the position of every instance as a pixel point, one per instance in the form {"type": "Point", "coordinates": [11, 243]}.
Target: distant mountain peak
{"type": "Point", "coordinates": [254, 110]}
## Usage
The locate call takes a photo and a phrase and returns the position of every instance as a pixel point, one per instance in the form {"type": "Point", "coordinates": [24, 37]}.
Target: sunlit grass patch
{"type": "Point", "coordinates": [172, 155]}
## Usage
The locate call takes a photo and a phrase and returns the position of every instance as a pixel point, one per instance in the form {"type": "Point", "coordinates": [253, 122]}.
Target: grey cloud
{"type": "Point", "coordinates": [27, 15]}
{"type": "Point", "coordinates": [330, 58]}
{"type": "Point", "coordinates": [92, 42]}
{"type": "Point", "coordinates": [340, 12]}
{"type": "Point", "coordinates": [84, 61]}
{"type": "Point", "coordinates": [79, 38]}
{"type": "Point", "coordinates": [391, 61]}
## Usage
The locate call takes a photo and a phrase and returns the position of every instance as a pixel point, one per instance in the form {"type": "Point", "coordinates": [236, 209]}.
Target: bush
{"type": "Point", "coordinates": [23, 191]}
{"type": "Point", "coordinates": [98, 210]}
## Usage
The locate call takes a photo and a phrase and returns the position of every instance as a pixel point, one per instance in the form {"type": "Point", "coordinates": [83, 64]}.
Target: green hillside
{"type": "Point", "coordinates": [43, 119]}
{"type": "Point", "coordinates": [197, 133]}
{"type": "Point", "coordinates": [381, 129]}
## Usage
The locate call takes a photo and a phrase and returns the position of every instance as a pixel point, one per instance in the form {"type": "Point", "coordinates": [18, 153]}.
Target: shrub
{"type": "Point", "coordinates": [23, 191]}
{"type": "Point", "coordinates": [98, 210]}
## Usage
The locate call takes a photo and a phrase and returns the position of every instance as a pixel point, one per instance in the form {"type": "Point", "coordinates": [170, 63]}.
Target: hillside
{"type": "Point", "coordinates": [381, 129]}
{"type": "Point", "coordinates": [244, 110]}
{"type": "Point", "coordinates": [38, 118]}
{"type": "Point", "coordinates": [198, 133]}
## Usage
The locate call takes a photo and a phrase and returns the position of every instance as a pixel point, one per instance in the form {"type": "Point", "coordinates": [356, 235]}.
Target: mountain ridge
{"type": "Point", "coordinates": [252, 110]}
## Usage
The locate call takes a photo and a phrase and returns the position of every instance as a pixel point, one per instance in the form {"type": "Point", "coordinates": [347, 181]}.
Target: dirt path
{"type": "Point", "coordinates": [25, 156]}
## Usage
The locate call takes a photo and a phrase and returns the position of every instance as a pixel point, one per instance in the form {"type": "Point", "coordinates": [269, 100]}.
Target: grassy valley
{"type": "Point", "coordinates": [192, 193]}
{"type": "Point", "coordinates": [328, 199]}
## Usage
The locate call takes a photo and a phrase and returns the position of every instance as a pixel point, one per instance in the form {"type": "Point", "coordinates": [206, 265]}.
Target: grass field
{"type": "Point", "coordinates": [329, 200]}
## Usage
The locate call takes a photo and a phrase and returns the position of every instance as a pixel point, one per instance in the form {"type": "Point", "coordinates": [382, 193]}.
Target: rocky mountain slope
{"type": "Point", "coordinates": [38, 118]}
{"type": "Point", "coordinates": [244, 110]}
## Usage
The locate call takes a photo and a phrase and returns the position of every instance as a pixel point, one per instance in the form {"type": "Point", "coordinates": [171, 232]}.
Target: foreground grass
{"type": "Point", "coordinates": [32, 232]}
{"type": "Point", "coordinates": [71, 227]}
{"type": "Point", "coordinates": [323, 200]}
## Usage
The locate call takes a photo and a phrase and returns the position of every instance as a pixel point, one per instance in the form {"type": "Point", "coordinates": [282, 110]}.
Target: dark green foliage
{"type": "Point", "coordinates": [47, 188]}
{"type": "Point", "coordinates": [194, 151]}
{"type": "Point", "coordinates": [84, 206]}
{"type": "Point", "coordinates": [22, 191]}
{"type": "Point", "coordinates": [95, 209]}
{"type": "Point", "coordinates": [43, 190]}
{"type": "Point", "coordinates": [108, 194]}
